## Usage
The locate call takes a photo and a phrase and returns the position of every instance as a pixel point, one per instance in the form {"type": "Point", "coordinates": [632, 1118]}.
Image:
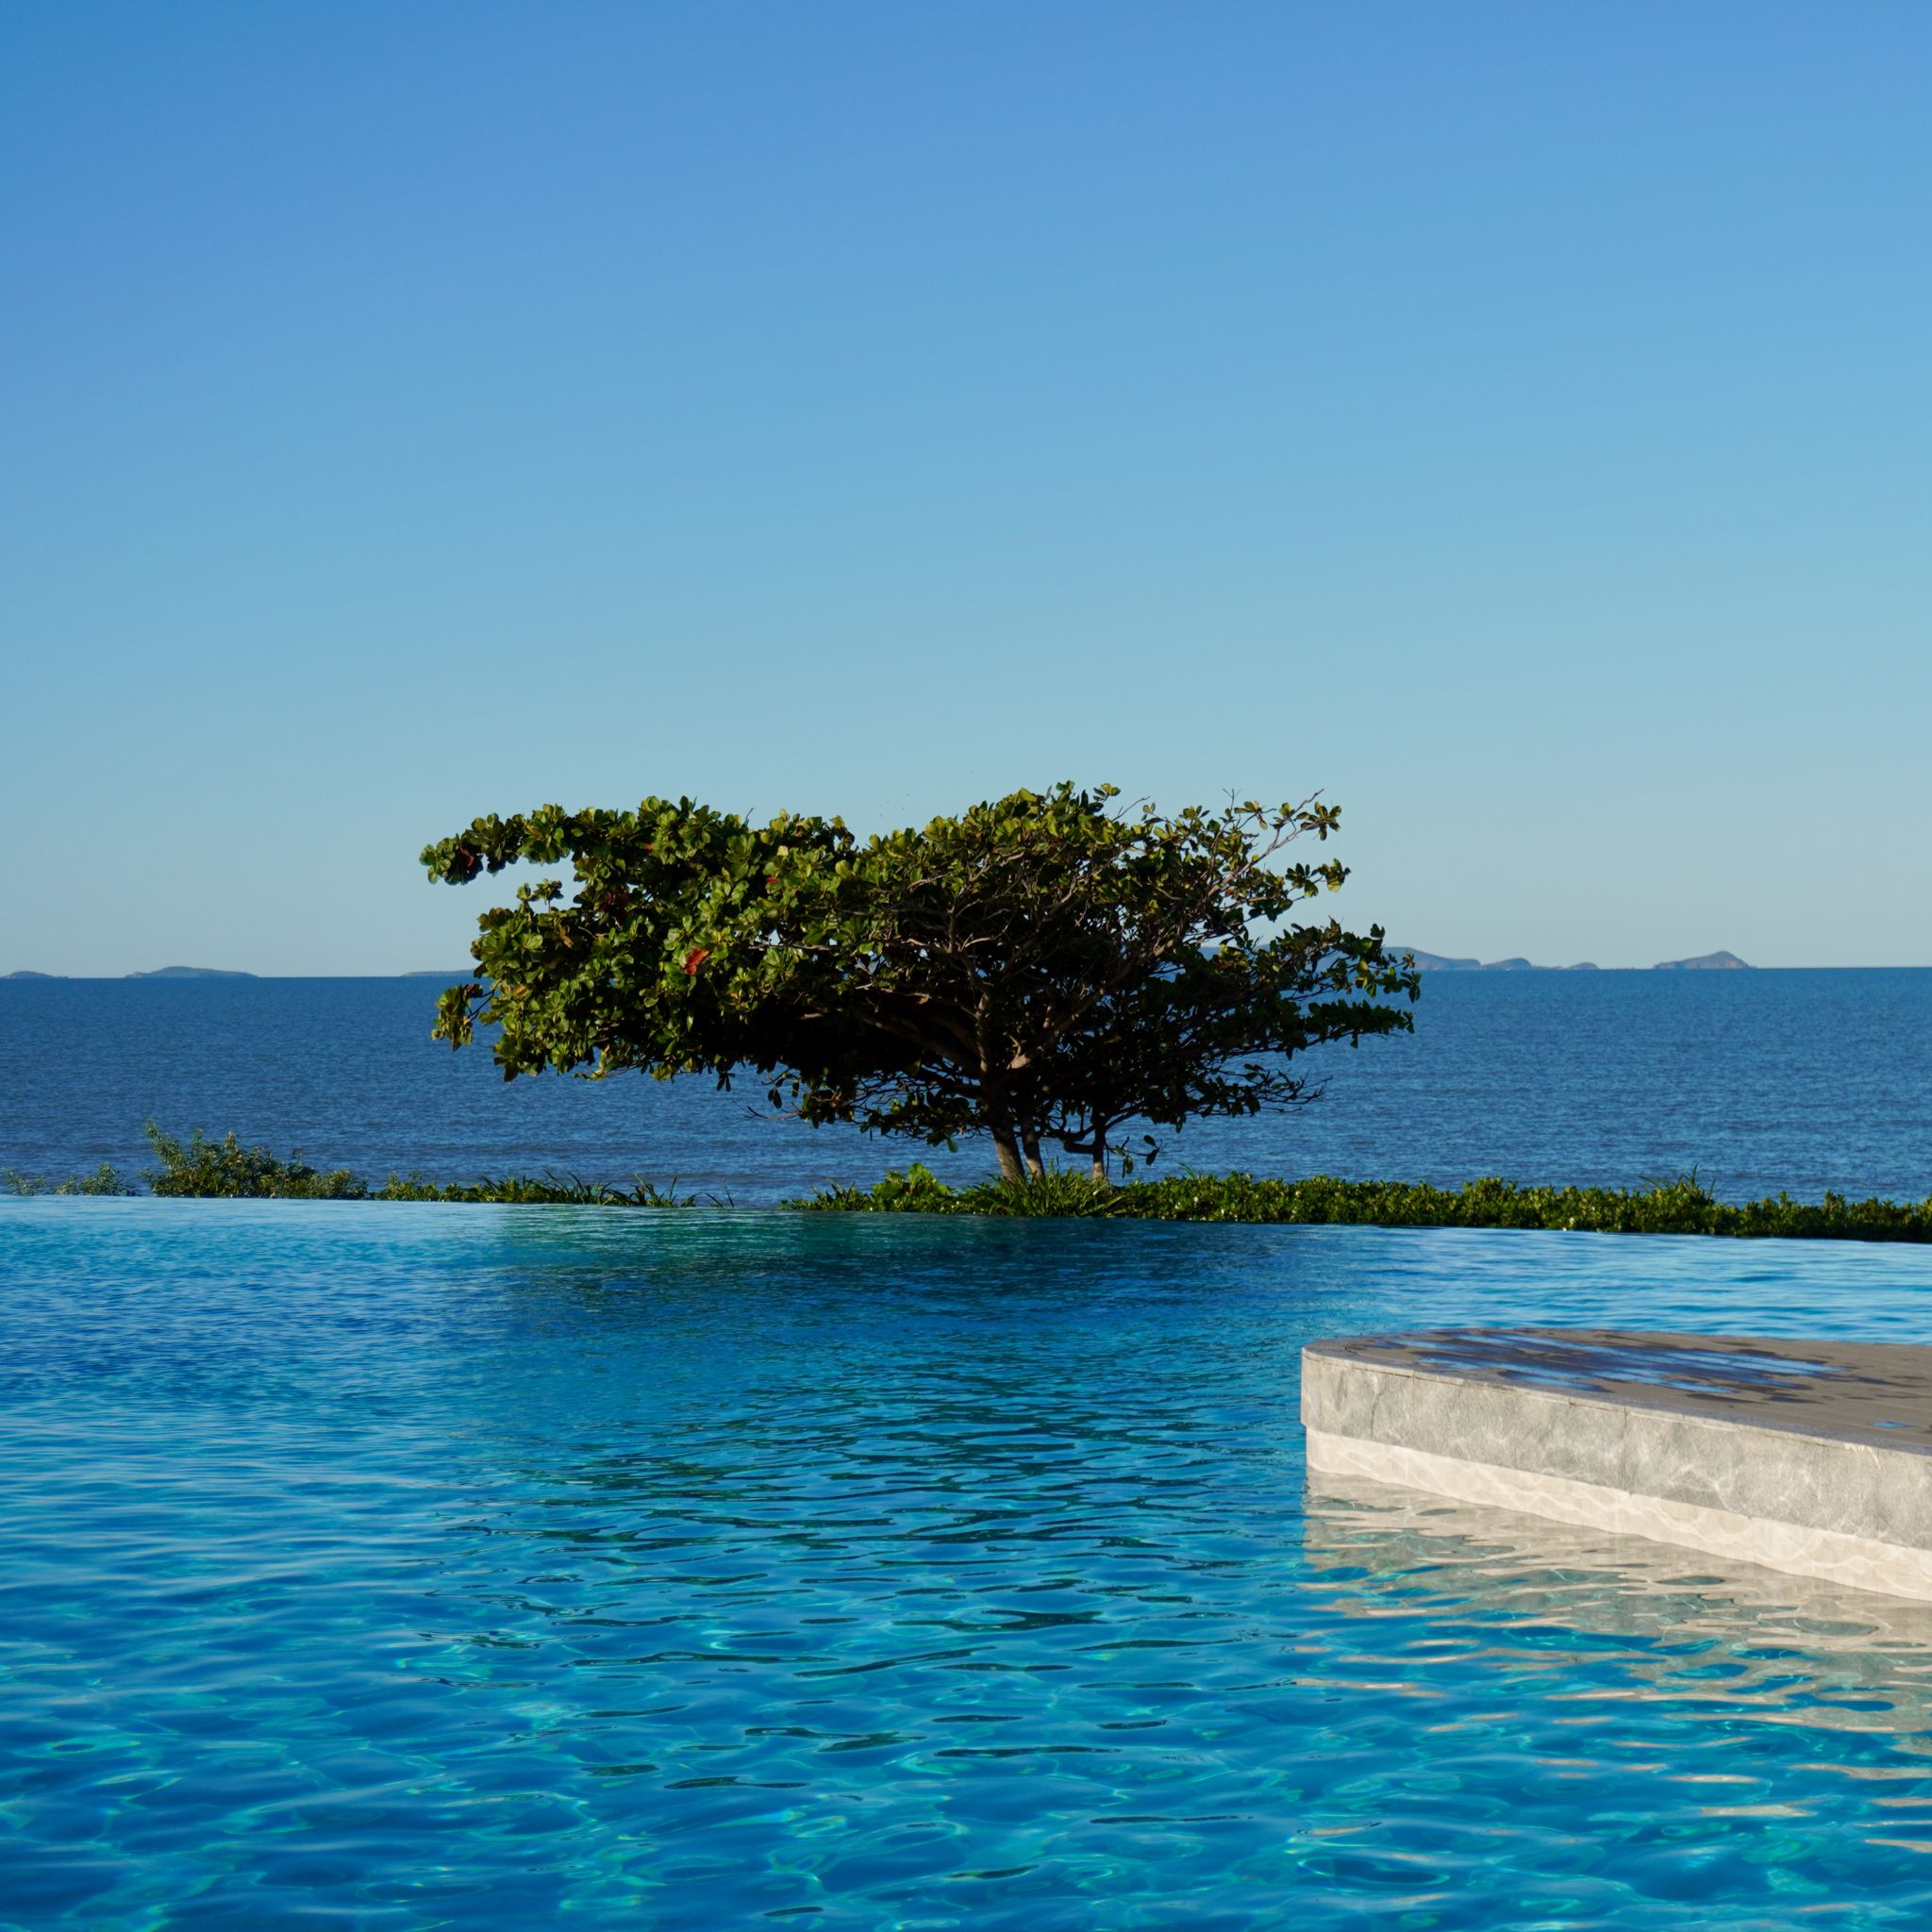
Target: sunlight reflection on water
{"type": "Point", "coordinates": [443, 1567]}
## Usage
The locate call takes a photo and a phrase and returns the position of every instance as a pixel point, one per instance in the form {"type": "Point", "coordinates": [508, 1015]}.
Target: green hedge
{"type": "Point", "coordinates": [225, 1169]}
{"type": "Point", "coordinates": [1680, 1206]}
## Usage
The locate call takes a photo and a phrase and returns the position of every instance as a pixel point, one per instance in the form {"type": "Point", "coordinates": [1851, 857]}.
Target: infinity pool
{"type": "Point", "coordinates": [501, 1567]}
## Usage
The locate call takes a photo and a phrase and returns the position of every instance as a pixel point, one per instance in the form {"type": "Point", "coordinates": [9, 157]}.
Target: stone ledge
{"type": "Point", "coordinates": [1810, 1457]}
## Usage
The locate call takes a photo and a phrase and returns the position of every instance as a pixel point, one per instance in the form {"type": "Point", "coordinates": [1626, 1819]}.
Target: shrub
{"type": "Point", "coordinates": [104, 1180]}
{"type": "Point", "coordinates": [1679, 1206]}
{"type": "Point", "coordinates": [226, 1170]}
{"type": "Point", "coordinates": [199, 1167]}
{"type": "Point", "coordinates": [521, 1191]}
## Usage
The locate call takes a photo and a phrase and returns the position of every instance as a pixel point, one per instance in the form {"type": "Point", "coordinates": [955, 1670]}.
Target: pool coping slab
{"type": "Point", "coordinates": [1811, 1458]}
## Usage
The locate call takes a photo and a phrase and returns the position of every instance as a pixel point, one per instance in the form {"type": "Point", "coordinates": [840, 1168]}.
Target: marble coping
{"type": "Point", "coordinates": [1813, 1457]}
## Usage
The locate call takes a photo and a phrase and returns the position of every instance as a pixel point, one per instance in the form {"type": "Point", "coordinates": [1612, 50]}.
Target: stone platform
{"type": "Point", "coordinates": [1813, 1457]}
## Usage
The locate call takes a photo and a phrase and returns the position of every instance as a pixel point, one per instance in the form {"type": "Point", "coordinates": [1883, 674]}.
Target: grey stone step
{"type": "Point", "coordinates": [1813, 1457]}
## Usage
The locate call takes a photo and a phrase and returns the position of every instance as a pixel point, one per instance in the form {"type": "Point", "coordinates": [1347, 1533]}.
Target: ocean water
{"type": "Point", "coordinates": [1760, 1081]}
{"type": "Point", "coordinates": [413, 1567]}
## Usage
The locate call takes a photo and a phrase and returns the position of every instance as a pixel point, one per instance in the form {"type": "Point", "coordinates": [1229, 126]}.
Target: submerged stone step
{"type": "Point", "coordinates": [1813, 1457]}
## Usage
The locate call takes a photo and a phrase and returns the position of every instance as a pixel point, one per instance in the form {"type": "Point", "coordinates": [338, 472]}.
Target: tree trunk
{"type": "Point", "coordinates": [1029, 1140]}
{"type": "Point", "coordinates": [1100, 1154]}
{"type": "Point", "coordinates": [1004, 1146]}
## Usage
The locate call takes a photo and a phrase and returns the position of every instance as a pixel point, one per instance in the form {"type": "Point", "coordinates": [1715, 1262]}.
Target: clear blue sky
{"type": "Point", "coordinates": [1512, 420]}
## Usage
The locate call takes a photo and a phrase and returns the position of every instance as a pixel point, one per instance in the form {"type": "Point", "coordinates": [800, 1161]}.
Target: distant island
{"type": "Point", "coordinates": [1425, 962]}
{"type": "Point", "coordinates": [188, 973]}
{"type": "Point", "coordinates": [1442, 962]}
{"type": "Point", "coordinates": [1704, 962]}
{"type": "Point", "coordinates": [228, 972]}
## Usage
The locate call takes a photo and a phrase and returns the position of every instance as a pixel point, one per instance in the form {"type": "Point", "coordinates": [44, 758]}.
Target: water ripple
{"type": "Point", "coordinates": [445, 1568]}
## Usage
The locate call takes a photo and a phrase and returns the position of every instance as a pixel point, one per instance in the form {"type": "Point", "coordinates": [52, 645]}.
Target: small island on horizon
{"type": "Point", "coordinates": [232, 973]}
{"type": "Point", "coordinates": [189, 972]}
{"type": "Point", "coordinates": [159, 973]}
{"type": "Point", "coordinates": [1442, 962]}
{"type": "Point", "coordinates": [1720, 961]}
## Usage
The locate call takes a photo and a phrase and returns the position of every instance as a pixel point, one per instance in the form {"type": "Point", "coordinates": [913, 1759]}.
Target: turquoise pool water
{"type": "Point", "coordinates": [411, 1566]}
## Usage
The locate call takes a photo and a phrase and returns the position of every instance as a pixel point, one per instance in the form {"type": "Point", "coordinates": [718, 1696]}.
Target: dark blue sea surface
{"type": "Point", "coordinates": [1761, 1081]}
{"type": "Point", "coordinates": [423, 1567]}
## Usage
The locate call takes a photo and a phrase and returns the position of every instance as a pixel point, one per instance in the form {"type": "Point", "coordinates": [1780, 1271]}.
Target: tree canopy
{"type": "Point", "coordinates": [1044, 968]}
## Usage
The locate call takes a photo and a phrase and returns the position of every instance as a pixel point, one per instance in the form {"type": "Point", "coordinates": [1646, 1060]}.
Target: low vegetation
{"type": "Point", "coordinates": [226, 1170]}
{"type": "Point", "coordinates": [520, 1191]}
{"type": "Point", "coordinates": [104, 1180]}
{"type": "Point", "coordinates": [1678, 1206]}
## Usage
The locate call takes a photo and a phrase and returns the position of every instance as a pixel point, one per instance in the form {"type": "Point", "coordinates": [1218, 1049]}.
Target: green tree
{"type": "Point", "coordinates": [1045, 968]}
